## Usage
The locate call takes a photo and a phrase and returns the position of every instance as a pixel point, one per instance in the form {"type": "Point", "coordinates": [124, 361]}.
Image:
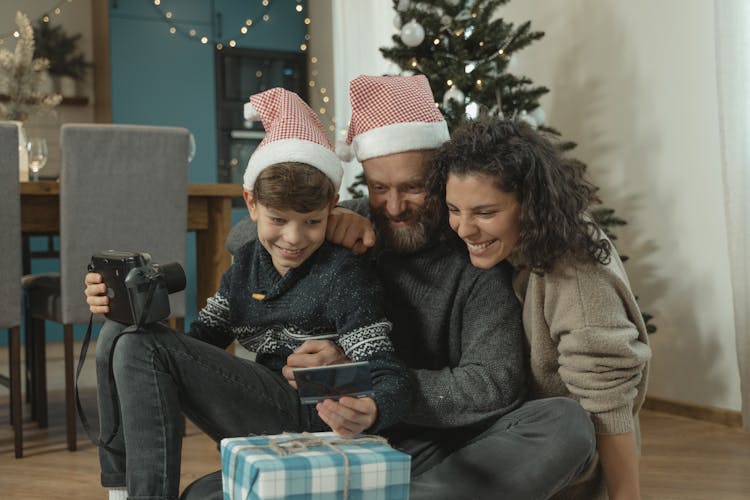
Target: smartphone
{"type": "Point", "coordinates": [333, 382]}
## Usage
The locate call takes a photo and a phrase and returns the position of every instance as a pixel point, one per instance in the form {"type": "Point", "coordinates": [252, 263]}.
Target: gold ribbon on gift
{"type": "Point", "coordinates": [289, 444]}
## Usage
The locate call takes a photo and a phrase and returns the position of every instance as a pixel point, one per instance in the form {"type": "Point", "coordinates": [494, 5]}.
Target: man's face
{"type": "Point", "coordinates": [398, 196]}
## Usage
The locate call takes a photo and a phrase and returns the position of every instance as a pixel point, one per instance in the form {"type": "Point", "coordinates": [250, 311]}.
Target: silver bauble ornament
{"type": "Point", "coordinates": [464, 15]}
{"type": "Point", "coordinates": [412, 33]}
{"type": "Point", "coordinates": [403, 5]}
{"type": "Point", "coordinates": [446, 20]}
{"type": "Point", "coordinates": [453, 94]}
{"type": "Point", "coordinates": [525, 117]}
{"type": "Point", "coordinates": [496, 112]}
{"type": "Point", "coordinates": [397, 22]}
{"type": "Point", "coordinates": [538, 115]}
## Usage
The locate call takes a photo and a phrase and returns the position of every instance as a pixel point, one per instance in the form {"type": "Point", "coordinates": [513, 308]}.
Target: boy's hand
{"type": "Point", "coordinates": [95, 293]}
{"type": "Point", "coordinates": [313, 353]}
{"type": "Point", "coordinates": [347, 417]}
{"type": "Point", "coordinates": [350, 230]}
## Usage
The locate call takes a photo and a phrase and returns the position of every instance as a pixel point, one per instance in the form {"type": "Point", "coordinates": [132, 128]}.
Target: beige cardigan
{"type": "Point", "coordinates": [587, 340]}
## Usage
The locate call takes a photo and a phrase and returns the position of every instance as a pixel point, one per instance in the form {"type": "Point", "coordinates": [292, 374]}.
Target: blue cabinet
{"type": "Point", "coordinates": [164, 78]}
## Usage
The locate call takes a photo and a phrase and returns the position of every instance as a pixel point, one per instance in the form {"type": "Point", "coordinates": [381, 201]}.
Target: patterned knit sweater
{"type": "Point", "coordinates": [332, 295]}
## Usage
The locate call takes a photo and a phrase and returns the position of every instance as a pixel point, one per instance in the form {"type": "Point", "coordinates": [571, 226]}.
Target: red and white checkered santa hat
{"type": "Point", "coordinates": [293, 134]}
{"type": "Point", "coordinates": [392, 114]}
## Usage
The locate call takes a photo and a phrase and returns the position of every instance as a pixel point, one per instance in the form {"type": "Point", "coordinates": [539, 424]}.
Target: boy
{"type": "Point", "coordinates": [288, 287]}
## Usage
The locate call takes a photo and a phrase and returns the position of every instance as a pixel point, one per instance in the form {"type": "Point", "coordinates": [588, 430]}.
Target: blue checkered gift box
{"type": "Point", "coordinates": [303, 467]}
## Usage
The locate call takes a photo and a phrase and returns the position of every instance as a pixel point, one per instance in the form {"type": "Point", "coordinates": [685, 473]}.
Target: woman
{"type": "Point", "coordinates": [511, 195]}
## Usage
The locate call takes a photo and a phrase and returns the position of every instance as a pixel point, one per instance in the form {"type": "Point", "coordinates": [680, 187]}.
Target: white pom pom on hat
{"type": "Point", "coordinates": [294, 133]}
{"type": "Point", "coordinates": [393, 114]}
{"type": "Point", "coordinates": [250, 113]}
{"type": "Point", "coordinates": [344, 151]}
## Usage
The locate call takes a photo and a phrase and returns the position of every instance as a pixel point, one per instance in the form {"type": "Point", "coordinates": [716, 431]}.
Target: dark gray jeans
{"type": "Point", "coordinates": [159, 376]}
{"type": "Point", "coordinates": [530, 453]}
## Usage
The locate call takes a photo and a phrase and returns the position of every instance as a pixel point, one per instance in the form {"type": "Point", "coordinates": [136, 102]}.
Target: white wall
{"type": "Point", "coordinates": [634, 84]}
{"type": "Point", "coordinates": [360, 27]}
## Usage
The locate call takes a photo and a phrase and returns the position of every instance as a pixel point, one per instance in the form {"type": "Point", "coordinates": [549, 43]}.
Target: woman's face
{"type": "Point", "coordinates": [484, 217]}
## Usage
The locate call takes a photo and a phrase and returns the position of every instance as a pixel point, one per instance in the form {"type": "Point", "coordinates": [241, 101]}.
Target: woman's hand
{"type": "Point", "coordinates": [348, 416]}
{"type": "Point", "coordinates": [619, 458]}
{"type": "Point", "coordinates": [96, 294]}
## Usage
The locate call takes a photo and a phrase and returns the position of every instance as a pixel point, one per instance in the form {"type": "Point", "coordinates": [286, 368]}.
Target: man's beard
{"type": "Point", "coordinates": [409, 238]}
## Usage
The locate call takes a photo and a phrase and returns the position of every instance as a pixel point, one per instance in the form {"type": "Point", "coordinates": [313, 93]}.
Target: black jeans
{"type": "Point", "coordinates": [161, 374]}
{"type": "Point", "coordinates": [530, 453]}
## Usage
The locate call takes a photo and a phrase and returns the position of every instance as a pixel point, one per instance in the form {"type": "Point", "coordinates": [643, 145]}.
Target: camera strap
{"type": "Point", "coordinates": [147, 305]}
{"type": "Point", "coordinates": [102, 443]}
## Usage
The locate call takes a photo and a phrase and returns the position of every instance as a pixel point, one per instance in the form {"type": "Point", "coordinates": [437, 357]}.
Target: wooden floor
{"type": "Point", "coordinates": [682, 458]}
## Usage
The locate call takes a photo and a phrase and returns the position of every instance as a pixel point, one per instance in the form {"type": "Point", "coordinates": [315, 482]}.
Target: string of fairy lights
{"type": "Point", "coordinates": [47, 16]}
{"type": "Point", "coordinates": [245, 28]}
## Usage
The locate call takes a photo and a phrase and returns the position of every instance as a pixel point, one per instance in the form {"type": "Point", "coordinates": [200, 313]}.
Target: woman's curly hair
{"type": "Point", "coordinates": [551, 189]}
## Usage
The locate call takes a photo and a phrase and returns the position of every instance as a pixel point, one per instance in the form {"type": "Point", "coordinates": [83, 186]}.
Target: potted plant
{"type": "Point", "coordinates": [21, 80]}
{"type": "Point", "coordinates": [67, 63]}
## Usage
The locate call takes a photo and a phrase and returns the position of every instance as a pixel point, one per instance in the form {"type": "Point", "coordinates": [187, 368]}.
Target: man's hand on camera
{"type": "Point", "coordinates": [313, 353]}
{"type": "Point", "coordinates": [350, 230]}
{"type": "Point", "coordinates": [95, 293]}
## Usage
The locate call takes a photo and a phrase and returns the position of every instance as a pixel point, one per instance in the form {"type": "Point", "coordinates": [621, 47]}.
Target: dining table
{"type": "Point", "coordinates": [209, 216]}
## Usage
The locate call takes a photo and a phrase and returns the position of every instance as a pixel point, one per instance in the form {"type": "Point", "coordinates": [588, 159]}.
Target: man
{"type": "Point", "coordinates": [457, 328]}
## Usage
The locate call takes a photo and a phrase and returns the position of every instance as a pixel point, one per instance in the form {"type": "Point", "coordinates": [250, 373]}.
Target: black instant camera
{"type": "Point", "coordinates": [138, 290]}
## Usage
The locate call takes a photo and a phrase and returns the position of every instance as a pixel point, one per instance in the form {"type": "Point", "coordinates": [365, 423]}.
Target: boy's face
{"type": "Point", "coordinates": [290, 237]}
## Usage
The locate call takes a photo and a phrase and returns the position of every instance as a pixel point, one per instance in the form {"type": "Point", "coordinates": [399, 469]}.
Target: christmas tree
{"type": "Point", "coordinates": [468, 55]}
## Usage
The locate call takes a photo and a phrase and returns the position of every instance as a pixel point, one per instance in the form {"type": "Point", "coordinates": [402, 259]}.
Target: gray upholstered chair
{"type": "Point", "coordinates": [122, 187]}
{"type": "Point", "coordinates": [10, 273]}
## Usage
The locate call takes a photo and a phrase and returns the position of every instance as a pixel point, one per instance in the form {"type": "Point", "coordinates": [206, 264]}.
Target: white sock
{"type": "Point", "coordinates": [118, 494]}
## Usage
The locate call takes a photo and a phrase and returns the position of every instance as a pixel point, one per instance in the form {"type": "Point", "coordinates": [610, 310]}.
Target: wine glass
{"type": "Point", "coordinates": [37, 150]}
{"type": "Point", "coordinates": [191, 148]}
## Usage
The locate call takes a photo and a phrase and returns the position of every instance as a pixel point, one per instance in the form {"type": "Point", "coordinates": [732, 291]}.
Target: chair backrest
{"type": "Point", "coordinates": [242, 232]}
{"type": "Point", "coordinates": [10, 222]}
{"type": "Point", "coordinates": [122, 187]}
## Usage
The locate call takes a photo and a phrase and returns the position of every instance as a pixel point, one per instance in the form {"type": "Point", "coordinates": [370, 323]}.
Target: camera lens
{"type": "Point", "coordinates": [174, 276]}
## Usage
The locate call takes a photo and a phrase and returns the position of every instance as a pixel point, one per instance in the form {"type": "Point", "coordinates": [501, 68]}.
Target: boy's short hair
{"type": "Point", "coordinates": [293, 186]}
